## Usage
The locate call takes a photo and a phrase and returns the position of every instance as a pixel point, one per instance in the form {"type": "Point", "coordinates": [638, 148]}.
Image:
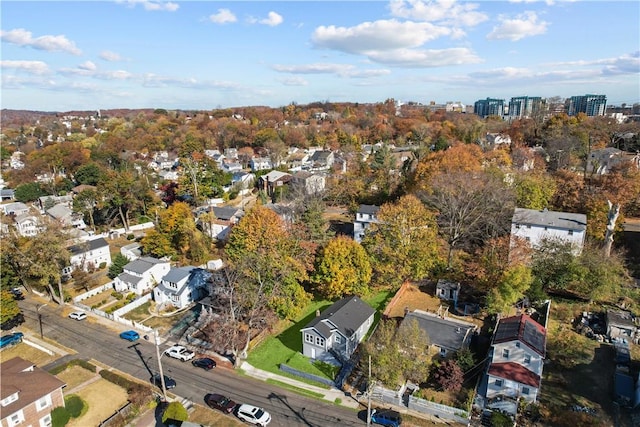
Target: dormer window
{"type": "Point", "coordinates": [505, 353]}
{"type": "Point", "coordinates": [9, 399]}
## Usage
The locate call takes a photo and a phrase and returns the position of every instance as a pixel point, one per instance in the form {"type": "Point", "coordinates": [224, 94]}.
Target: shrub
{"type": "Point", "coordinates": [74, 405]}
{"type": "Point", "coordinates": [59, 417]}
{"type": "Point", "coordinates": [130, 237]}
{"type": "Point", "coordinates": [102, 265]}
{"type": "Point", "coordinates": [117, 295]}
{"type": "Point", "coordinates": [74, 362]}
{"type": "Point", "coordinates": [175, 411]}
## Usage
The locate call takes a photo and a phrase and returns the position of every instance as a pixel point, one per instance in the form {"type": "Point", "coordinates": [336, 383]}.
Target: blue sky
{"type": "Point", "coordinates": [85, 55]}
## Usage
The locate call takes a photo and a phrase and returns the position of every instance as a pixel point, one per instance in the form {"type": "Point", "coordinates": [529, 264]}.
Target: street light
{"type": "Point", "coordinates": [38, 307]}
{"type": "Point", "coordinates": [159, 356]}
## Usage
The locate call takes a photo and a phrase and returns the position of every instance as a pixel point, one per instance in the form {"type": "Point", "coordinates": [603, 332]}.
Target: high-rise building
{"type": "Point", "coordinates": [525, 106]}
{"type": "Point", "coordinates": [489, 107]}
{"type": "Point", "coordinates": [591, 105]}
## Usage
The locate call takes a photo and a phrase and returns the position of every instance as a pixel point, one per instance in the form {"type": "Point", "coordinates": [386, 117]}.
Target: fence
{"type": "Point", "coordinates": [120, 414]}
{"type": "Point", "coordinates": [132, 305]}
{"type": "Point", "coordinates": [93, 292]}
{"type": "Point", "coordinates": [306, 375]}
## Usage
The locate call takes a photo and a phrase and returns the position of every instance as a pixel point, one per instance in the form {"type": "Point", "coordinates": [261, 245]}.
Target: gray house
{"type": "Point", "coordinates": [338, 330]}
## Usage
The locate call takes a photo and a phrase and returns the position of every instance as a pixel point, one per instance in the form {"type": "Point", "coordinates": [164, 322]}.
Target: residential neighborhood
{"type": "Point", "coordinates": [458, 280]}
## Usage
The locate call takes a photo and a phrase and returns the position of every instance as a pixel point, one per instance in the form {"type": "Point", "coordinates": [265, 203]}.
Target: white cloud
{"type": "Point", "coordinates": [223, 16]}
{"type": "Point", "coordinates": [342, 70]}
{"type": "Point", "coordinates": [32, 67]}
{"type": "Point", "coordinates": [273, 19]}
{"type": "Point", "coordinates": [443, 11]}
{"type": "Point", "coordinates": [152, 5]}
{"type": "Point", "coordinates": [22, 37]}
{"type": "Point", "coordinates": [294, 81]}
{"type": "Point", "coordinates": [426, 58]}
{"type": "Point", "coordinates": [88, 65]}
{"type": "Point", "coordinates": [110, 56]}
{"type": "Point", "coordinates": [523, 25]}
{"type": "Point", "coordinates": [377, 36]}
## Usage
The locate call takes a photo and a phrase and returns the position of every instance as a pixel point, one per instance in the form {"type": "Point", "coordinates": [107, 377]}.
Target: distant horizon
{"type": "Point", "coordinates": [196, 55]}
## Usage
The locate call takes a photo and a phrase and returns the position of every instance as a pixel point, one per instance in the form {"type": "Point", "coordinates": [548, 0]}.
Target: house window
{"type": "Point", "coordinates": [570, 232]}
{"type": "Point", "coordinates": [527, 359]}
{"type": "Point", "coordinates": [319, 341]}
{"type": "Point", "coordinates": [338, 339]}
{"type": "Point", "coordinates": [498, 383]}
{"type": "Point", "coordinates": [528, 239]}
{"type": "Point", "coordinates": [10, 399]}
{"type": "Point", "coordinates": [505, 353]}
{"type": "Point", "coordinates": [525, 390]}
{"type": "Point", "coordinates": [545, 229]}
{"type": "Point", "coordinates": [308, 338]}
{"type": "Point", "coordinates": [518, 344]}
{"type": "Point", "coordinates": [528, 226]}
{"type": "Point", "coordinates": [43, 402]}
{"type": "Point", "coordinates": [518, 226]}
{"type": "Point", "coordinates": [45, 421]}
{"type": "Point", "coordinates": [443, 352]}
{"type": "Point", "coordinates": [16, 418]}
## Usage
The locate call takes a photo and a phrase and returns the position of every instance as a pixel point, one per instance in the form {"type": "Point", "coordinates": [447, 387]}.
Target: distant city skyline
{"type": "Point", "coordinates": [197, 55]}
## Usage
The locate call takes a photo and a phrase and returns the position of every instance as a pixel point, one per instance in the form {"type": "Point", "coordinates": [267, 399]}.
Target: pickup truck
{"type": "Point", "coordinates": [12, 339]}
{"type": "Point", "coordinates": [179, 352]}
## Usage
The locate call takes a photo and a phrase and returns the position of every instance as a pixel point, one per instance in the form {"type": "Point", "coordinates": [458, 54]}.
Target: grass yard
{"type": "Point", "coordinates": [103, 399]}
{"type": "Point", "coordinates": [140, 313]}
{"type": "Point", "coordinates": [32, 354]}
{"type": "Point", "coordinates": [75, 375]}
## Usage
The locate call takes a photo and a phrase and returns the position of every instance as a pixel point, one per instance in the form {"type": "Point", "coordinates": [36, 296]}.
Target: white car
{"type": "Point", "coordinates": [78, 315]}
{"type": "Point", "coordinates": [180, 352]}
{"type": "Point", "coordinates": [253, 415]}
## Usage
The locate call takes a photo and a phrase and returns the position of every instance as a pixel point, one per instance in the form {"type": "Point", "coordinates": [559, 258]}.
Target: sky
{"type": "Point", "coordinates": [203, 55]}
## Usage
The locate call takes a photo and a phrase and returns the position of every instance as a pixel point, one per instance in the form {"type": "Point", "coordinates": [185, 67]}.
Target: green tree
{"type": "Point", "coordinates": [342, 268]}
{"type": "Point", "coordinates": [512, 286]}
{"type": "Point", "coordinates": [89, 174]}
{"type": "Point", "coordinates": [175, 411]}
{"type": "Point", "coordinates": [28, 192]}
{"type": "Point", "coordinates": [534, 190]}
{"type": "Point", "coordinates": [403, 244]}
{"type": "Point", "coordinates": [85, 202]}
{"type": "Point", "coordinates": [117, 265]}
{"type": "Point", "coordinates": [10, 308]}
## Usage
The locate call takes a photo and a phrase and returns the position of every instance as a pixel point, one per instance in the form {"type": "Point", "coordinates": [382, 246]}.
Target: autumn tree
{"type": "Point", "coordinates": [510, 288]}
{"type": "Point", "coordinates": [277, 269]}
{"type": "Point", "coordinates": [10, 308]}
{"type": "Point", "coordinates": [342, 269]}
{"type": "Point", "coordinates": [403, 242]}
{"type": "Point", "coordinates": [449, 376]}
{"type": "Point", "coordinates": [397, 354]}
{"type": "Point", "coordinates": [533, 190]}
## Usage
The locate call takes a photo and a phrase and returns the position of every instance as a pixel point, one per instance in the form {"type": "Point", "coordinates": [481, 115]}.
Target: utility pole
{"type": "Point", "coordinates": [159, 356]}
{"type": "Point", "coordinates": [38, 307]}
{"type": "Point", "coordinates": [370, 389]}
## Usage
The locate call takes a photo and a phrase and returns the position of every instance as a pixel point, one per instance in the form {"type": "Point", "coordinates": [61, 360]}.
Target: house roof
{"type": "Point", "coordinates": [276, 176]}
{"type": "Point", "coordinates": [620, 318]}
{"type": "Point", "coordinates": [368, 209]}
{"type": "Point", "coordinates": [90, 245]}
{"type": "Point", "coordinates": [141, 265]}
{"type": "Point", "coordinates": [60, 211]}
{"type": "Point", "coordinates": [514, 372]}
{"type": "Point", "coordinates": [446, 284]}
{"type": "Point", "coordinates": [129, 278]}
{"type": "Point", "coordinates": [320, 156]}
{"type": "Point", "coordinates": [547, 218]}
{"type": "Point", "coordinates": [32, 383]}
{"type": "Point", "coordinates": [14, 206]}
{"type": "Point", "coordinates": [345, 315]}
{"type": "Point", "coordinates": [226, 213]}
{"type": "Point", "coordinates": [522, 328]}
{"type": "Point", "coordinates": [446, 333]}
{"type": "Point", "coordinates": [177, 274]}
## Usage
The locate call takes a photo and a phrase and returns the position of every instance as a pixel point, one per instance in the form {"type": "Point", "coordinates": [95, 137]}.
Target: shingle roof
{"type": "Point", "coordinates": [32, 383]}
{"type": "Point", "coordinates": [90, 245]}
{"type": "Point", "coordinates": [345, 315]}
{"type": "Point", "coordinates": [128, 278]}
{"type": "Point", "coordinates": [368, 209]}
{"type": "Point", "coordinates": [176, 274]}
{"type": "Point", "coordinates": [450, 334]}
{"type": "Point", "coordinates": [225, 212]}
{"type": "Point", "coordinates": [522, 328]}
{"type": "Point", "coordinates": [514, 372]}
{"type": "Point", "coordinates": [141, 265]}
{"type": "Point", "coordinates": [546, 218]}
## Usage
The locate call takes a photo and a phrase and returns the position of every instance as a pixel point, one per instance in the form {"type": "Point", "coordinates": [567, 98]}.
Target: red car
{"type": "Point", "coordinates": [218, 401]}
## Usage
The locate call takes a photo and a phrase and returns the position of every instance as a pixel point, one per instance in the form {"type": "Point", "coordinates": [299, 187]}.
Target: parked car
{"type": "Point", "coordinates": [386, 417]}
{"type": "Point", "coordinates": [169, 382]}
{"type": "Point", "coordinates": [220, 402]}
{"type": "Point", "coordinates": [11, 339]}
{"type": "Point", "coordinates": [253, 415]}
{"type": "Point", "coordinates": [17, 294]}
{"type": "Point", "coordinates": [78, 315]}
{"type": "Point", "coordinates": [180, 352]}
{"type": "Point", "coordinates": [205, 363]}
{"type": "Point", "coordinates": [130, 335]}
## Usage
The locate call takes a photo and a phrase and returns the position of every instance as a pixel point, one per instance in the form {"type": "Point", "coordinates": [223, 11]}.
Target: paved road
{"type": "Point", "coordinates": [100, 341]}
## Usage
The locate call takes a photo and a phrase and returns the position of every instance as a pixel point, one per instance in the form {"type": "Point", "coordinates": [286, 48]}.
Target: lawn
{"type": "Point", "coordinates": [75, 375]}
{"type": "Point", "coordinates": [25, 351]}
{"type": "Point", "coordinates": [286, 346]}
{"type": "Point", "coordinates": [103, 398]}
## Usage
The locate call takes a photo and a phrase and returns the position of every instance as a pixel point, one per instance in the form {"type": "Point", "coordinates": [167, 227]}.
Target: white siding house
{"type": "Point", "coordinates": [365, 215]}
{"type": "Point", "coordinates": [89, 255]}
{"type": "Point", "coordinates": [141, 275]}
{"type": "Point", "coordinates": [536, 226]}
{"type": "Point", "coordinates": [181, 286]}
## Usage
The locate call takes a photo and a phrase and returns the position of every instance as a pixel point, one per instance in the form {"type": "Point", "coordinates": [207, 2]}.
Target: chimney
{"type": "Point", "coordinates": [317, 313]}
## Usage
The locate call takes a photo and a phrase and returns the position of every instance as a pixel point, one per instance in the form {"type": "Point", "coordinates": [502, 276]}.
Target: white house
{"type": "Point", "coordinates": [308, 182]}
{"type": "Point", "coordinates": [66, 217]}
{"type": "Point", "coordinates": [536, 226]}
{"type": "Point", "coordinates": [260, 164]}
{"type": "Point", "coordinates": [15, 208]}
{"type": "Point", "coordinates": [338, 330]}
{"type": "Point", "coordinates": [141, 275]}
{"type": "Point", "coordinates": [182, 286]}
{"type": "Point", "coordinates": [516, 359]}
{"type": "Point", "coordinates": [365, 215]}
{"type": "Point", "coordinates": [218, 225]}
{"type": "Point", "coordinates": [89, 255]}
{"type": "Point", "coordinates": [27, 225]}
{"type": "Point", "coordinates": [131, 251]}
